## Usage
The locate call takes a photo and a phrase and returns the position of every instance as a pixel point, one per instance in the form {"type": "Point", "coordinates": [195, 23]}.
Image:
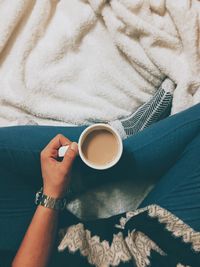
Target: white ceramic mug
{"type": "Point", "coordinates": [84, 134]}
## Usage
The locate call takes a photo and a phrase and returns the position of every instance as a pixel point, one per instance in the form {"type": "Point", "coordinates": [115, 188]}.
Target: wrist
{"type": "Point", "coordinates": [46, 200]}
{"type": "Point", "coordinates": [48, 211]}
{"type": "Point", "coordinates": [55, 193]}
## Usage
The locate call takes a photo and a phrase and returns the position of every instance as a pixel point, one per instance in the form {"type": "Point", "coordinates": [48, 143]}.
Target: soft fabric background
{"type": "Point", "coordinates": [82, 61]}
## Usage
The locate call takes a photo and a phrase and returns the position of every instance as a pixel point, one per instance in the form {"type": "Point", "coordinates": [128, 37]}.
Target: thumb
{"type": "Point", "coordinates": [70, 155]}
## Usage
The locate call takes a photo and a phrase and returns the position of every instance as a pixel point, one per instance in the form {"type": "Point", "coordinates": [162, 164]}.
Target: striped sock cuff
{"type": "Point", "coordinates": [154, 110]}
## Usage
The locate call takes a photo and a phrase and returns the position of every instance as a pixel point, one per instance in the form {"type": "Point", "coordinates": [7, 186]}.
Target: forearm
{"type": "Point", "coordinates": [39, 239]}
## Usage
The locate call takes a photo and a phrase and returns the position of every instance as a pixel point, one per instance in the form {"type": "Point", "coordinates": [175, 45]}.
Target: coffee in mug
{"type": "Point", "coordinates": [100, 146]}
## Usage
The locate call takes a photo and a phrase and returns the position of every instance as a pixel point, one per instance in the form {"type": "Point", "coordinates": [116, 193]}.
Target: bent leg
{"type": "Point", "coordinates": [179, 189]}
{"type": "Point", "coordinates": [150, 153]}
{"type": "Point", "coordinates": [20, 176]}
{"type": "Point", "coordinates": [153, 151]}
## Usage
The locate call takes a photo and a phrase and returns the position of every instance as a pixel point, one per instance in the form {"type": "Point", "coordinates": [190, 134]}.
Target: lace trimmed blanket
{"type": "Point", "coordinates": [148, 236]}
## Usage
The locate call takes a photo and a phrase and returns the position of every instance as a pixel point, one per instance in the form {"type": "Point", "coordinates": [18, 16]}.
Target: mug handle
{"type": "Point", "coordinates": [62, 150]}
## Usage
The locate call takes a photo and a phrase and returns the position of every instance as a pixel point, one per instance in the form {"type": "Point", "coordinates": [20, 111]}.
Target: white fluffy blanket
{"type": "Point", "coordinates": [82, 61]}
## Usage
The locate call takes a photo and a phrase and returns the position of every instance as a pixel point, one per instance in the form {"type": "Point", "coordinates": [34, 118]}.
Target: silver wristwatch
{"type": "Point", "coordinates": [49, 202]}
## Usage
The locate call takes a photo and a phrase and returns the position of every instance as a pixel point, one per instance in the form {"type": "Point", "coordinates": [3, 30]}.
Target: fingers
{"type": "Point", "coordinates": [52, 147]}
{"type": "Point", "coordinates": [58, 141]}
{"type": "Point", "coordinates": [70, 155]}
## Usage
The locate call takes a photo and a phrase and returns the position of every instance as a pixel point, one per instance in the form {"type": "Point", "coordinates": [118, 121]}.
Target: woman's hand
{"type": "Point", "coordinates": [55, 174]}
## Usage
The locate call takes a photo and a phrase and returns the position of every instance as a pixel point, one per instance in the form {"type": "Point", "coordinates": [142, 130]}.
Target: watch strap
{"type": "Point", "coordinates": [49, 202]}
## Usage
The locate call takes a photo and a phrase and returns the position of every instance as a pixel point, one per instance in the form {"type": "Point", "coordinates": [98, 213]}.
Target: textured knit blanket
{"type": "Point", "coordinates": [84, 61]}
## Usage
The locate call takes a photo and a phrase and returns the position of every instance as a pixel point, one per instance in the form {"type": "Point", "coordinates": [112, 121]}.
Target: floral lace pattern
{"type": "Point", "coordinates": [136, 246]}
{"type": "Point", "coordinates": [173, 224]}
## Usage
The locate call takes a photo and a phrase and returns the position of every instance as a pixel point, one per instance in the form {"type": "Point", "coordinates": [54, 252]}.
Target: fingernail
{"type": "Point", "coordinates": [74, 146]}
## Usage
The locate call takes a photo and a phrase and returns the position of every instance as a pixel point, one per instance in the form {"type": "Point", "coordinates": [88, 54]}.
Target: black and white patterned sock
{"type": "Point", "coordinates": [157, 108]}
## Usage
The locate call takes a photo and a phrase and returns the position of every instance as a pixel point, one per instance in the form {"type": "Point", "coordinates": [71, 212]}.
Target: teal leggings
{"type": "Point", "coordinates": [168, 151]}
